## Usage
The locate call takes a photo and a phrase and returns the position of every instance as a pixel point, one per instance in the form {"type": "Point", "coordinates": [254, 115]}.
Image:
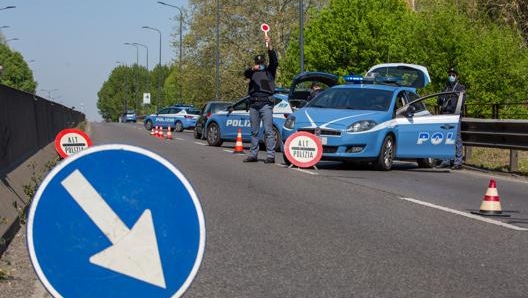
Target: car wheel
{"type": "Point", "coordinates": [178, 126]}
{"type": "Point", "coordinates": [386, 156]}
{"type": "Point", "coordinates": [426, 162]}
{"type": "Point", "coordinates": [148, 125]}
{"type": "Point", "coordinates": [213, 135]}
{"type": "Point", "coordinates": [276, 135]}
{"type": "Point", "coordinates": [196, 134]}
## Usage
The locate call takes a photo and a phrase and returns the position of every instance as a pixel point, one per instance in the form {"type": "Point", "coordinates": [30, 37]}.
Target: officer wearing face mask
{"type": "Point", "coordinates": [447, 104]}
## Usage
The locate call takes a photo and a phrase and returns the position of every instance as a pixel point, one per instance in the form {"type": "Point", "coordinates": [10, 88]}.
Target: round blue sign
{"type": "Point", "coordinates": [116, 221]}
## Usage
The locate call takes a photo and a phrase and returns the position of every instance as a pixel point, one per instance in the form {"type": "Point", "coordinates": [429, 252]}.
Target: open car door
{"type": "Point", "coordinates": [427, 136]}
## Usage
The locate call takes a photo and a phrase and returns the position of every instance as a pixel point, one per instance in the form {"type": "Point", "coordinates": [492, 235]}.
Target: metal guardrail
{"type": "Point", "coordinates": [493, 133]}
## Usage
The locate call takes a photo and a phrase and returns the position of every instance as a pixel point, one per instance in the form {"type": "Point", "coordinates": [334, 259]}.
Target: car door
{"type": "Point", "coordinates": [235, 118]}
{"type": "Point", "coordinates": [159, 118]}
{"type": "Point", "coordinates": [424, 135]}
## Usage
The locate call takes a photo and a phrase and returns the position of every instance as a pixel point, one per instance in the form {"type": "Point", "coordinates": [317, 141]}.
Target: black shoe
{"type": "Point", "coordinates": [251, 159]}
{"type": "Point", "coordinates": [456, 167]}
{"type": "Point", "coordinates": [269, 160]}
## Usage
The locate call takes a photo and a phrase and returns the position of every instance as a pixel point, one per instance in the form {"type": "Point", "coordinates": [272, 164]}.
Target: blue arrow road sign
{"type": "Point", "coordinates": [116, 221]}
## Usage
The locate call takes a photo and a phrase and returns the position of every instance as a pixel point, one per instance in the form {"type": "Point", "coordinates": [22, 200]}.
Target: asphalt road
{"type": "Point", "coordinates": [335, 231]}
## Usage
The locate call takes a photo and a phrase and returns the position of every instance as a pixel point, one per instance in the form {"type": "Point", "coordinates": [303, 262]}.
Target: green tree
{"type": "Point", "coordinates": [352, 35]}
{"type": "Point", "coordinates": [240, 38]}
{"type": "Point", "coordinates": [15, 71]}
{"type": "Point", "coordinates": [122, 91]}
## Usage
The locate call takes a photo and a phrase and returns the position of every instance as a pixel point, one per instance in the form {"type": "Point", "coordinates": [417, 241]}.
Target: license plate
{"type": "Point", "coordinates": [324, 140]}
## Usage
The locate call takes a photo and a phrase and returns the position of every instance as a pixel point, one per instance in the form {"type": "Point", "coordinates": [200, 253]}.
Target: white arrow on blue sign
{"type": "Point", "coordinates": [116, 221]}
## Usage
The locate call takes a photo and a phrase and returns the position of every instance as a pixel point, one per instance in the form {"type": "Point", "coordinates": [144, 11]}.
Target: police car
{"type": "Point", "coordinates": [223, 125]}
{"type": "Point", "coordinates": [379, 118]}
{"type": "Point", "coordinates": [177, 118]}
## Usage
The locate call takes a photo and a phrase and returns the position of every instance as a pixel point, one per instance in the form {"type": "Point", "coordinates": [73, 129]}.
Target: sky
{"type": "Point", "coordinates": [72, 46]}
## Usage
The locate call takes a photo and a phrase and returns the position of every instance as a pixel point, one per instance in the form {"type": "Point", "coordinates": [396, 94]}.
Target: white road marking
{"type": "Point", "coordinates": [468, 215]}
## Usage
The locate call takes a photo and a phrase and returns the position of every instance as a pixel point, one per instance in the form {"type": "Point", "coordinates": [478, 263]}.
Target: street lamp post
{"type": "Point", "coordinates": [146, 48]}
{"type": "Point", "coordinates": [181, 45]}
{"type": "Point", "coordinates": [148, 80]}
{"type": "Point", "coordinates": [217, 89]}
{"type": "Point", "coordinates": [136, 83]}
{"type": "Point", "coordinates": [137, 50]}
{"type": "Point", "coordinates": [159, 64]}
{"type": "Point", "coordinates": [301, 34]}
{"type": "Point", "coordinates": [8, 7]}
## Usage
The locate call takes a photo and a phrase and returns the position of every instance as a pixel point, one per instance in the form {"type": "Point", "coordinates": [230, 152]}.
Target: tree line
{"type": "Point", "coordinates": [486, 40]}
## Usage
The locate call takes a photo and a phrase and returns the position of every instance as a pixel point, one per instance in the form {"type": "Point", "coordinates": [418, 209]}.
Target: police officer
{"type": "Point", "coordinates": [261, 88]}
{"type": "Point", "coordinates": [447, 104]}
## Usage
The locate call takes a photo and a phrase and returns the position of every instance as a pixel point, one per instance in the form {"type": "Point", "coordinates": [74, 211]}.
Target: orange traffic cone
{"type": "Point", "coordinates": [160, 131]}
{"type": "Point", "coordinates": [239, 148]}
{"type": "Point", "coordinates": [153, 132]}
{"type": "Point", "coordinates": [491, 205]}
{"type": "Point", "coordinates": [169, 133]}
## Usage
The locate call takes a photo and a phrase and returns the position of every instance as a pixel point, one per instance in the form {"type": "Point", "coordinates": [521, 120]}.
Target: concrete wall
{"type": "Point", "coordinates": [28, 126]}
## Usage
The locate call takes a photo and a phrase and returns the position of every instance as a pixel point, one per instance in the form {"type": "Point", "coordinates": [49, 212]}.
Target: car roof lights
{"type": "Point", "coordinates": [353, 79]}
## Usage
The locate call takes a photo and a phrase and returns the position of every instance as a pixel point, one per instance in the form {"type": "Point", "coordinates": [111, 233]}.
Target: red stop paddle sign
{"type": "Point", "coordinates": [303, 149]}
{"type": "Point", "coordinates": [265, 27]}
{"type": "Point", "coordinates": [70, 141]}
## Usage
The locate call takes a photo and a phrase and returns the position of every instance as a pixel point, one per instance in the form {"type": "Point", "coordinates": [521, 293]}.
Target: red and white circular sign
{"type": "Point", "coordinates": [265, 27]}
{"type": "Point", "coordinates": [70, 141]}
{"type": "Point", "coordinates": [303, 149]}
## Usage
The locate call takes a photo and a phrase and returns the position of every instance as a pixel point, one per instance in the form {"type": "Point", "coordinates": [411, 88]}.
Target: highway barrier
{"type": "Point", "coordinates": [28, 126]}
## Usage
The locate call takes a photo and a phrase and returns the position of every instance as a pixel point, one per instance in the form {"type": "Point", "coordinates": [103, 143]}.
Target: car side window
{"type": "Point", "coordinates": [240, 105]}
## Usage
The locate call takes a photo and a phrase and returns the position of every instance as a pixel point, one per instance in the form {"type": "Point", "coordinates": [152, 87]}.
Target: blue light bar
{"type": "Point", "coordinates": [354, 79]}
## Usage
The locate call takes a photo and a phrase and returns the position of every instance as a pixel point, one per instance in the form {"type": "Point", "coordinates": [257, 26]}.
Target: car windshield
{"type": "Point", "coordinates": [353, 98]}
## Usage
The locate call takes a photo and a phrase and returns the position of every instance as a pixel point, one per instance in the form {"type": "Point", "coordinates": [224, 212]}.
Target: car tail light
{"type": "Point", "coordinates": [286, 115]}
{"type": "Point", "coordinates": [188, 117]}
{"type": "Point", "coordinates": [208, 114]}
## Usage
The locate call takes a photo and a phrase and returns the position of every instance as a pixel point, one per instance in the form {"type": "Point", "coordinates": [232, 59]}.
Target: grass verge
{"type": "Point", "coordinates": [497, 160]}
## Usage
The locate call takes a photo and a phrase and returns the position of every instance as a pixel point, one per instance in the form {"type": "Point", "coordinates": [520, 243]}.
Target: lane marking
{"type": "Point", "coordinates": [468, 215]}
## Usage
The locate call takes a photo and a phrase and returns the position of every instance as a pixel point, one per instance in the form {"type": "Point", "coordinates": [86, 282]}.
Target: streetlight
{"type": "Point", "coordinates": [3, 27]}
{"type": "Point", "coordinates": [148, 75]}
{"type": "Point", "coordinates": [7, 40]}
{"type": "Point", "coordinates": [181, 44]}
{"type": "Point", "coordinates": [301, 34]}
{"type": "Point", "coordinates": [137, 50]}
{"type": "Point", "coordinates": [8, 7]}
{"type": "Point", "coordinates": [159, 64]}
{"type": "Point", "coordinates": [146, 48]}
{"type": "Point", "coordinates": [217, 91]}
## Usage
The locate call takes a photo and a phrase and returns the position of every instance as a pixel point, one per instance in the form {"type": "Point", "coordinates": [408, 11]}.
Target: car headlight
{"type": "Point", "coordinates": [290, 122]}
{"type": "Point", "coordinates": [361, 126]}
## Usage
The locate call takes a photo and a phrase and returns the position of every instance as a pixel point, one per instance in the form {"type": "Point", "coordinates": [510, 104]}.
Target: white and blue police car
{"type": "Point", "coordinates": [379, 118]}
{"type": "Point", "coordinates": [223, 125]}
{"type": "Point", "coordinates": [176, 118]}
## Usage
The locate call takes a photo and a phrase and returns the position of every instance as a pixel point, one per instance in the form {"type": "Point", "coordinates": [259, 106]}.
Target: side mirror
{"type": "Point", "coordinates": [230, 109]}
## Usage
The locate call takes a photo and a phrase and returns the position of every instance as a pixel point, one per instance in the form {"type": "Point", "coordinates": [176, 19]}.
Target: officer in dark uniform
{"type": "Point", "coordinates": [261, 88]}
{"type": "Point", "coordinates": [447, 105]}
